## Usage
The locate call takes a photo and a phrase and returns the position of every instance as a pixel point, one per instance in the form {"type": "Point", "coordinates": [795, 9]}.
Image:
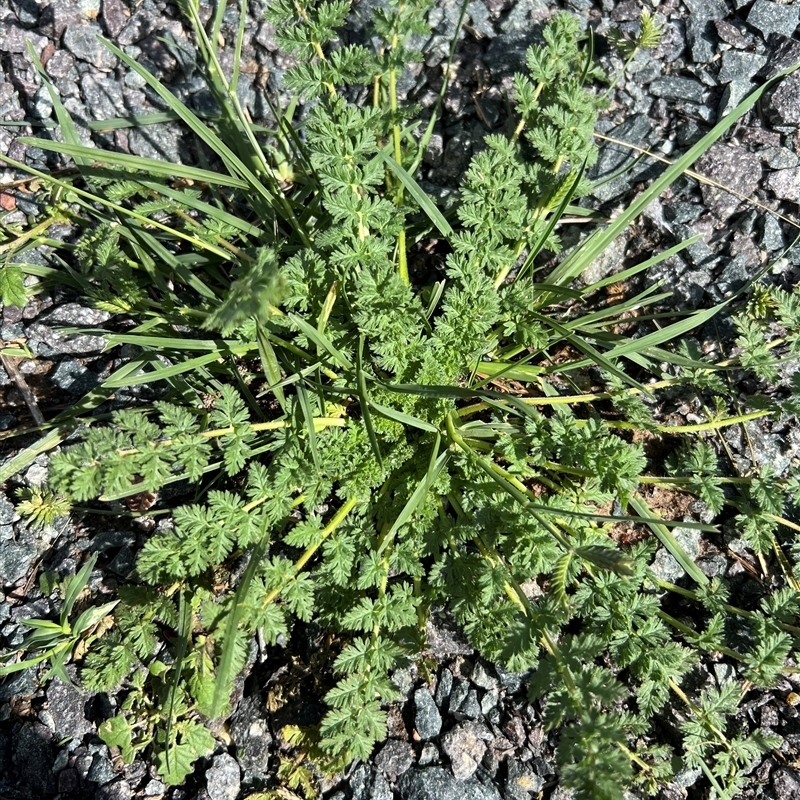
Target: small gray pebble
{"type": "Point", "coordinates": [429, 754]}
{"type": "Point", "coordinates": [465, 746]}
{"type": "Point", "coordinates": [458, 695]}
{"type": "Point", "coordinates": [101, 771]}
{"type": "Point", "coordinates": [15, 561]}
{"type": "Point", "coordinates": [444, 687]}
{"type": "Point", "coordinates": [482, 676]}
{"type": "Point", "coordinates": [671, 87]}
{"type": "Point", "coordinates": [427, 719]}
{"type": "Point", "coordinates": [436, 783]}
{"type": "Point", "coordinates": [769, 18]}
{"type": "Point", "coordinates": [471, 707]}
{"type": "Point", "coordinates": [81, 40]}
{"type": "Point", "coordinates": [394, 758]}
{"type": "Point", "coordinates": [223, 779]}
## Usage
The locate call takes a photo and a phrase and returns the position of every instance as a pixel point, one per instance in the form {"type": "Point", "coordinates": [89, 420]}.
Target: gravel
{"type": "Point", "coordinates": [436, 783]}
{"type": "Point", "coordinates": [67, 708]}
{"type": "Point", "coordinates": [223, 779]}
{"type": "Point", "coordinates": [394, 758]}
{"type": "Point", "coordinates": [427, 719]}
{"type": "Point", "coordinates": [32, 757]}
{"type": "Point", "coordinates": [250, 733]}
{"type": "Point", "coordinates": [734, 167]}
{"type": "Point", "coordinates": [465, 746]}
{"type": "Point", "coordinates": [82, 41]}
{"type": "Point", "coordinates": [774, 18]}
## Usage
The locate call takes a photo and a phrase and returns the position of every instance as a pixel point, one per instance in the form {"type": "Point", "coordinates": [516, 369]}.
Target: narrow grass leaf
{"type": "Point", "coordinates": [68, 129]}
{"type": "Point", "coordinates": [225, 670]}
{"type": "Point", "coordinates": [126, 212]}
{"type": "Point", "coordinates": [322, 341]}
{"type": "Point", "coordinates": [77, 583]}
{"type": "Point", "coordinates": [422, 198]}
{"type": "Point", "coordinates": [138, 164]}
{"type": "Point", "coordinates": [308, 418]}
{"type": "Point", "coordinates": [665, 536]}
{"type": "Point", "coordinates": [184, 632]}
{"type": "Point", "coordinates": [365, 404]}
{"type": "Point", "coordinates": [665, 334]}
{"type": "Point", "coordinates": [234, 164]}
{"type": "Point", "coordinates": [555, 216]}
{"type": "Point", "coordinates": [269, 363]}
{"type": "Point", "coordinates": [27, 456]}
{"type": "Point", "coordinates": [612, 313]}
{"type": "Point", "coordinates": [494, 370]}
{"type": "Point", "coordinates": [403, 418]}
{"type": "Point", "coordinates": [597, 243]}
{"type": "Point", "coordinates": [619, 277]}
{"type": "Point", "coordinates": [133, 121]}
{"type": "Point", "coordinates": [163, 373]}
{"type": "Point", "coordinates": [437, 464]}
{"type": "Point", "coordinates": [219, 214]}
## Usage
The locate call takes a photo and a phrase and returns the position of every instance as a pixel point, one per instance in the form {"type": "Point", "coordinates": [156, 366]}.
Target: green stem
{"type": "Point", "coordinates": [645, 767]}
{"type": "Point", "coordinates": [503, 274]}
{"type": "Point", "coordinates": [616, 78]}
{"type": "Point", "coordinates": [671, 587]}
{"type": "Point", "coordinates": [682, 481]}
{"type": "Point", "coordinates": [335, 522]}
{"type": "Point", "coordinates": [666, 537]}
{"type": "Point", "coordinates": [514, 592]}
{"type": "Point", "coordinates": [521, 124]}
{"type": "Point", "coordinates": [689, 631]}
{"type": "Point", "coordinates": [402, 256]}
{"type": "Point", "coordinates": [320, 423]}
{"type": "Point", "coordinates": [702, 426]}
{"type": "Point", "coordinates": [506, 481]}
{"type": "Point", "coordinates": [41, 228]}
{"type": "Point", "coordinates": [699, 713]}
{"type": "Point", "coordinates": [384, 546]}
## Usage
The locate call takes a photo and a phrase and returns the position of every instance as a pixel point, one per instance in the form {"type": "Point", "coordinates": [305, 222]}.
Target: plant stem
{"type": "Point", "coordinates": [335, 522]}
{"type": "Point", "coordinates": [320, 423]}
{"type": "Point", "coordinates": [508, 482]}
{"type": "Point", "coordinates": [671, 587]}
{"type": "Point", "coordinates": [698, 712]}
{"type": "Point", "coordinates": [514, 592]}
{"type": "Point", "coordinates": [689, 631]}
{"type": "Point", "coordinates": [41, 228]}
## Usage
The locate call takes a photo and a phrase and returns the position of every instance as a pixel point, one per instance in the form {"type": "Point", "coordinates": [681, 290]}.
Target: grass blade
{"type": "Point", "coordinates": [184, 632]}
{"type": "Point", "coordinates": [269, 362]}
{"type": "Point", "coordinates": [365, 405]}
{"type": "Point", "coordinates": [140, 164]}
{"type": "Point", "coordinates": [618, 277]}
{"type": "Point", "coordinates": [308, 417]}
{"type": "Point", "coordinates": [68, 129]}
{"type": "Point", "coordinates": [93, 198]}
{"type": "Point", "coordinates": [417, 498]}
{"type": "Point", "coordinates": [403, 418]}
{"type": "Point", "coordinates": [164, 373]}
{"type": "Point", "coordinates": [226, 663]}
{"type": "Point", "coordinates": [233, 163]}
{"type": "Point", "coordinates": [665, 536]}
{"type": "Point", "coordinates": [76, 585]}
{"type": "Point", "coordinates": [183, 198]}
{"type": "Point", "coordinates": [596, 244]}
{"type": "Point", "coordinates": [416, 191]}
{"type": "Point", "coordinates": [322, 341]}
